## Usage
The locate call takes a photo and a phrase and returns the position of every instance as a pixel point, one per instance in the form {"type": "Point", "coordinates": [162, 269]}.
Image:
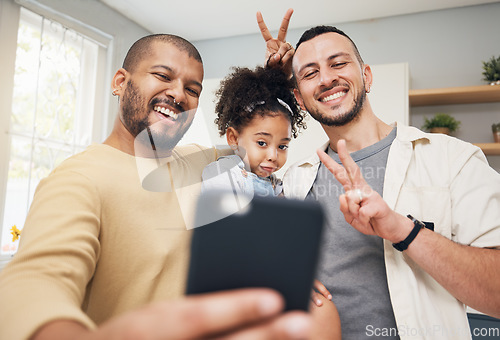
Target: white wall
{"type": "Point", "coordinates": [389, 97]}
{"type": "Point", "coordinates": [442, 48]}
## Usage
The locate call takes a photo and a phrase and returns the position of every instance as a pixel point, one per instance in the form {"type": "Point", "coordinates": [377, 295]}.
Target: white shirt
{"type": "Point", "coordinates": [435, 178]}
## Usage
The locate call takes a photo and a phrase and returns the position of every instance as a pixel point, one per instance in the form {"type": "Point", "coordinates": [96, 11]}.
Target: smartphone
{"type": "Point", "coordinates": [270, 242]}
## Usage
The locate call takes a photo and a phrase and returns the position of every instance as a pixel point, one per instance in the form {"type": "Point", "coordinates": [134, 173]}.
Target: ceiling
{"type": "Point", "coordinates": [208, 19]}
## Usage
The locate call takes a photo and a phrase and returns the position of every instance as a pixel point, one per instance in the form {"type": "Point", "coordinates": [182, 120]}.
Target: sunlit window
{"type": "Point", "coordinates": [52, 110]}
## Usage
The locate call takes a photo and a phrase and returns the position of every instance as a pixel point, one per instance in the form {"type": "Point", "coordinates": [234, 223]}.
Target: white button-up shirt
{"type": "Point", "coordinates": [439, 179]}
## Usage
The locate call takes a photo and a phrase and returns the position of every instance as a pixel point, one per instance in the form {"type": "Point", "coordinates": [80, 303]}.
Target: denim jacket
{"type": "Point", "coordinates": [229, 173]}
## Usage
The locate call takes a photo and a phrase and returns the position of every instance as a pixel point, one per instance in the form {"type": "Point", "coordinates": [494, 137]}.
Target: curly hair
{"type": "Point", "coordinates": [245, 93]}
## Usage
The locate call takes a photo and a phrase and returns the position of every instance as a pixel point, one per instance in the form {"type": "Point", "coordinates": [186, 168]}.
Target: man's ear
{"type": "Point", "coordinates": [118, 82]}
{"type": "Point", "coordinates": [368, 77]}
{"type": "Point", "coordinates": [232, 138]}
{"type": "Point", "coordinates": [299, 99]}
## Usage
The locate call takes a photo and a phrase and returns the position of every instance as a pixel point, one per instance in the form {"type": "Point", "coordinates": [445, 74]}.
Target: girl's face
{"type": "Point", "coordinates": [263, 143]}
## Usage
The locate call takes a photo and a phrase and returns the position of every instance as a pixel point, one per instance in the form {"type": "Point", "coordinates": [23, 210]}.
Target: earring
{"type": "Point", "coordinates": [114, 93]}
{"type": "Point", "coordinates": [368, 89]}
{"type": "Point", "coordinates": [234, 147]}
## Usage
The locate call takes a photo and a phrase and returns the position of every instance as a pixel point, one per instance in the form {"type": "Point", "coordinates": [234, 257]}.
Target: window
{"type": "Point", "coordinates": [52, 110]}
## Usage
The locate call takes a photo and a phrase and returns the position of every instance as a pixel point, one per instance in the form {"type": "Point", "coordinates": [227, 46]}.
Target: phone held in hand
{"type": "Point", "coordinates": [269, 242]}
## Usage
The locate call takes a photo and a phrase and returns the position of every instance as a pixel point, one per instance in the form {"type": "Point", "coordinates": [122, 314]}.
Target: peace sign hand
{"type": "Point", "coordinates": [279, 52]}
{"type": "Point", "coordinates": [363, 208]}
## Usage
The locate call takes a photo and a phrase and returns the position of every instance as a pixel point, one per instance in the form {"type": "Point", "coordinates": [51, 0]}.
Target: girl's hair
{"type": "Point", "coordinates": [244, 93]}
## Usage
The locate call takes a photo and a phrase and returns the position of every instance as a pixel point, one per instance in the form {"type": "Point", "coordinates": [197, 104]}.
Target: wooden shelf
{"type": "Point", "coordinates": [460, 95]}
{"type": "Point", "coordinates": [455, 95]}
{"type": "Point", "coordinates": [489, 149]}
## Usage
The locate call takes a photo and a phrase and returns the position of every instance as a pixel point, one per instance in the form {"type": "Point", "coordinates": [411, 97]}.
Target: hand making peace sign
{"type": "Point", "coordinates": [279, 52]}
{"type": "Point", "coordinates": [363, 208]}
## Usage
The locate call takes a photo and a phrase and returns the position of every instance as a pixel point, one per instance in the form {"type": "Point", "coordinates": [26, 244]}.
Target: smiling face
{"type": "Point", "coordinates": [263, 143]}
{"type": "Point", "coordinates": [162, 93]}
{"type": "Point", "coordinates": [331, 82]}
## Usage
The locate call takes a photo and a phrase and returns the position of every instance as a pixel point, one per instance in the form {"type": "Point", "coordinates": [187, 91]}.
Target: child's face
{"type": "Point", "coordinates": [263, 143]}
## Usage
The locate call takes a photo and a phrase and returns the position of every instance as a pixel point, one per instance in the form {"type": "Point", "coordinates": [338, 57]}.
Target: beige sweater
{"type": "Point", "coordinates": [96, 244]}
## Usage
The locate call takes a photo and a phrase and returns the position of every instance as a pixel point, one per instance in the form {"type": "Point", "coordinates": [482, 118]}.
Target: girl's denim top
{"type": "Point", "coordinates": [228, 173]}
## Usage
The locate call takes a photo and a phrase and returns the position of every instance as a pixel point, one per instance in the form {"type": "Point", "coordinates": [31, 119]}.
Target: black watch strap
{"type": "Point", "coordinates": [403, 245]}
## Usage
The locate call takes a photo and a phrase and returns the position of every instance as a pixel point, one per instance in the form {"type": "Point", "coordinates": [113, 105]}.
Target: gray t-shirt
{"type": "Point", "coordinates": [352, 264]}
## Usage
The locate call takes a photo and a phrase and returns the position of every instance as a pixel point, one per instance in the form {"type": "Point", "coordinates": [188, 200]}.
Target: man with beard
{"type": "Point", "coordinates": [100, 257]}
{"type": "Point", "coordinates": [391, 276]}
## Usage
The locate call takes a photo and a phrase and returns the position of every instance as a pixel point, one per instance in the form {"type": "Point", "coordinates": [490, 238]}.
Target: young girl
{"type": "Point", "coordinates": [257, 112]}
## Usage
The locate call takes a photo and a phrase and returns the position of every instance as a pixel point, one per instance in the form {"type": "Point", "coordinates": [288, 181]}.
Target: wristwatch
{"type": "Point", "coordinates": [403, 245]}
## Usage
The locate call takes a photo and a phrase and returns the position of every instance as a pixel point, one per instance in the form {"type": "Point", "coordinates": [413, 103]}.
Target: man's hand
{"type": "Point", "coordinates": [469, 273]}
{"type": "Point", "coordinates": [238, 314]}
{"type": "Point", "coordinates": [279, 52]}
{"type": "Point", "coordinates": [363, 208]}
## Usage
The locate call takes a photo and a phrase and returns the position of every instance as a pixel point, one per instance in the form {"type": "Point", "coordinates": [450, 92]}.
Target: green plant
{"type": "Point", "coordinates": [495, 127]}
{"type": "Point", "coordinates": [441, 120]}
{"type": "Point", "coordinates": [491, 69]}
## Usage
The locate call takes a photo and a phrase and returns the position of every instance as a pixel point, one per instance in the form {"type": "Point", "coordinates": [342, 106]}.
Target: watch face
{"type": "Point", "coordinates": [415, 221]}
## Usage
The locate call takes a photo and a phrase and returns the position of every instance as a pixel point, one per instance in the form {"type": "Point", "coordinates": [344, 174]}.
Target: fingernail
{"type": "Point", "coordinates": [298, 327]}
{"type": "Point", "coordinates": [318, 302]}
{"type": "Point", "coordinates": [330, 297]}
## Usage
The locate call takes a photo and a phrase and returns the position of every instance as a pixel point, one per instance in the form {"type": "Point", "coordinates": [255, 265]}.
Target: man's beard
{"type": "Point", "coordinates": [344, 118]}
{"type": "Point", "coordinates": [137, 123]}
{"type": "Point", "coordinates": [159, 140]}
{"type": "Point", "coordinates": [132, 104]}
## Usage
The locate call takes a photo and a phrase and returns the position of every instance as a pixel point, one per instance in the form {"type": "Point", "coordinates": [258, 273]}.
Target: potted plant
{"type": "Point", "coordinates": [496, 132]}
{"type": "Point", "coordinates": [441, 123]}
{"type": "Point", "coordinates": [491, 71]}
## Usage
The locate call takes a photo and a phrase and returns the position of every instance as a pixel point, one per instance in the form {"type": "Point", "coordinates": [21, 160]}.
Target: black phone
{"type": "Point", "coordinates": [269, 242]}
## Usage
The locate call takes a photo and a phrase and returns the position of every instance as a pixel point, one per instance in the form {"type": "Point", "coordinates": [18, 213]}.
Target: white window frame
{"type": "Point", "coordinates": [9, 24]}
